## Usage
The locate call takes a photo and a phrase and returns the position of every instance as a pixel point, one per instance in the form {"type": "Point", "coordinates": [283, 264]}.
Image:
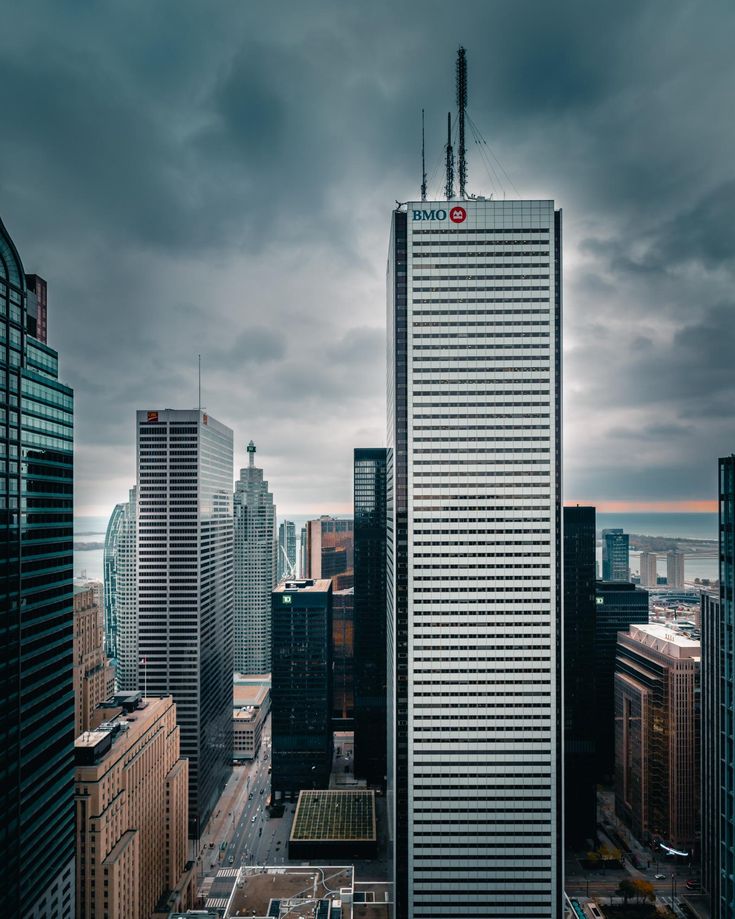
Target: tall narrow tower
{"type": "Point", "coordinates": [184, 588]}
{"type": "Point", "coordinates": [256, 553]}
{"type": "Point", "coordinates": [473, 557]}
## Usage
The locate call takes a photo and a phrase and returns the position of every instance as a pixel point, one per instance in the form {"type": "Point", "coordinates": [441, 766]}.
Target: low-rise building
{"type": "Point", "coordinates": [131, 811]}
{"type": "Point", "coordinates": [94, 677]}
{"type": "Point", "coordinates": [657, 673]}
{"type": "Point", "coordinates": [251, 697]}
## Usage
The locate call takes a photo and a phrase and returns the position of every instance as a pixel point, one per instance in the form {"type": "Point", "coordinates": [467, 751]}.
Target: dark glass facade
{"type": "Point", "coordinates": [615, 555]}
{"type": "Point", "coordinates": [301, 688]}
{"type": "Point", "coordinates": [726, 721]}
{"type": "Point", "coordinates": [580, 804]}
{"type": "Point", "coordinates": [397, 557]}
{"type": "Point", "coordinates": [36, 618]}
{"type": "Point", "coordinates": [370, 615]}
{"type": "Point", "coordinates": [618, 605]}
{"type": "Point", "coordinates": [711, 771]}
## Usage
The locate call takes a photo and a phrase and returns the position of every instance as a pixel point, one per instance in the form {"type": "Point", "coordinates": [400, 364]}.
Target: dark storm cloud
{"type": "Point", "coordinates": [217, 179]}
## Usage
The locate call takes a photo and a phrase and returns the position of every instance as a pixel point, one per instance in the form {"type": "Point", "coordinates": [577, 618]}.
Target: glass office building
{"type": "Point", "coordinates": [369, 615]}
{"type": "Point", "coordinates": [36, 612]}
{"type": "Point", "coordinates": [120, 594]}
{"type": "Point", "coordinates": [474, 557]}
{"type": "Point", "coordinates": [301, 686]}
{"type": "Point", "coordinates": [580, 717]}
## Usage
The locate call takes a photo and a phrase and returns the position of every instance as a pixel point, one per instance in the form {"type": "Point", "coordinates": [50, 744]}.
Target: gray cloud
{"type": "Point", "coordinates": [218, 179]}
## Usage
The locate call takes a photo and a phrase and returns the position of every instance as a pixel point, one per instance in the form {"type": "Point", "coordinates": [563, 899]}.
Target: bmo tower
{"type": "Point", "coordinates": [473, 558]}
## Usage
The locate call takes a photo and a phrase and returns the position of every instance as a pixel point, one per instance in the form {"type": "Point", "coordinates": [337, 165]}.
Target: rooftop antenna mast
{"type": "Point", "coordinates": [462, 105]}
{"type": "Point", "coordinates": [200, 381]}
{"type": "Point", "coordinates": [449, 187]}
{"type": "Point", "coordinates": [423, 160]}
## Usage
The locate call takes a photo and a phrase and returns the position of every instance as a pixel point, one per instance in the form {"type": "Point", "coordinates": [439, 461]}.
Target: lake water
{"type": "Point", "coordinates": [89, 563]}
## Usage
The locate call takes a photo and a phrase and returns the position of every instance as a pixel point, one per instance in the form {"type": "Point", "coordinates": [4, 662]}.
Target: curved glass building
{"type": "Point", "coordinates": [36, 606]}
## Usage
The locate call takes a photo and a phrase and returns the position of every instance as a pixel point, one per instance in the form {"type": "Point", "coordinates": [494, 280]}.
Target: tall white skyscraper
{"type": "Point", "coordinates": [474, 507]}
{"type": "Point", "coordinates": [256, 552]}
{"type": "Point", "coordinates": [121, 595]}
{"type": "Point", "coordinates": [184, 582]}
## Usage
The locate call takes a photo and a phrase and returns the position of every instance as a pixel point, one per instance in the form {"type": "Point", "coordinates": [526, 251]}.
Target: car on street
{"type": "Point", "coordinates": [660, 877]}
{"type": "Point", "coordinates": [692, 884]}
{"type": "Point", "coordinates": [253, 820]}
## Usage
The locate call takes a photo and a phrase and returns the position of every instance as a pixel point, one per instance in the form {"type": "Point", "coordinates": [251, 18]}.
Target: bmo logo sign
{"type": "Point", "coordinates": [456, 214]}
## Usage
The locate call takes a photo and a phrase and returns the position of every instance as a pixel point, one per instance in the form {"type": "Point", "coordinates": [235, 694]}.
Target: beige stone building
{"type": "Point", "coordinates": [132, 812]}
{"type": "Point", "coordinates": [251, 707]}
{"type": "Point", "coordinates": [94, 678]}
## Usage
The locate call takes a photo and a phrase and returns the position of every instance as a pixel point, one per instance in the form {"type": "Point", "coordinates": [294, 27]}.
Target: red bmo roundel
{"type": "Point", "coordinates": [457, 214]}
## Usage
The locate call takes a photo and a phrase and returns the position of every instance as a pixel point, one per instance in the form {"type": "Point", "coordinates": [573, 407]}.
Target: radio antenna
{"type": "Point", "coordinates": [449, 187]}
{"type": "Point", "coordinates": [423, 159]}
{"type": "Point", "coordinates": [200, 381]}
{"type": "Point", "coordinates": [462, 106]}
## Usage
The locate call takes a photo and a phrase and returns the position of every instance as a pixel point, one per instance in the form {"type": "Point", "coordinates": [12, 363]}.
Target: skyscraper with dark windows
{"type": "Point", "coordinates": [580, 718]}
{"type": "Point", "coordinates": [371, 727]}
{"type": "Point", "coordinates": [287, 549]}
{"type": "Point", "coordinates": [36, 605]}
{"type": "Point", "coordinates": [474, 557]}
{"type": "Point", "coordinates": [256, 552]}
{"type": "Point", "coordinates": [711, 777]}
{"type": "Point", "coordinates": [618, 606]}
{"type": "Point", "coordinates": [615, 555]}
{"type": "Point", "coordinates": [719, 668]}
{"type": "Point", "coordinates": [185, 588]}
{"type": "Point", "coordinates": [301, 686]}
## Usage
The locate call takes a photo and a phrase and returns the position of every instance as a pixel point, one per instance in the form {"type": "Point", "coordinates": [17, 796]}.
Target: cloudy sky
{"type": "Point", "coordinates": [218, 177]}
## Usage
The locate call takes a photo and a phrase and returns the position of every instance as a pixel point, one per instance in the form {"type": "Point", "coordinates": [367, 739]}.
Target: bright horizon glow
{"type": "Point", "coordinates": [650, 507]}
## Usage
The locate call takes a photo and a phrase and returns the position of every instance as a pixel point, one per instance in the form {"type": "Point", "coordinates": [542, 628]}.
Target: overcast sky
{"type": "Point", "coordinates": [218, 177]}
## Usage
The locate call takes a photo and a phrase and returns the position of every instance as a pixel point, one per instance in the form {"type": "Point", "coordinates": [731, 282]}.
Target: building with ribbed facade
{"type": "Point", "coordinates": [370, 690]}
{"type": "Point", "coordinates": [580, 713]}
{"type": "Point", "coordinates": [94, 677]}
{"type": "Point", "coordinates": [474, 557]}
{"type": "Point", "coordinates": [185, 588]}
{"type": "Point", "coordinates": [256, 553]}
{"type": "Point", "coordinates": [675, 569]}
{"type": "Point", "coordinates": [615, 555]}
{"type": "Point", "coordinates": [647, 567]}
{"type": "Point", "coordinates": [657, 672]}
{"type": "Point", "coordinates": [131, 805]}
{"type": "Point", "coordinates": [287, 550]}
{"type": "Point", "coordinates": [36, 606]}
{"type": "Point", "coordinates": [121, 593]}
{"type": "Point", "coordinates": [712, 716]}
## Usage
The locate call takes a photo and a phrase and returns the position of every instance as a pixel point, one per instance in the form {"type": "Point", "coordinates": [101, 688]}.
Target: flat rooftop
{"type": "Point", "coordinates": [666, 638]}
{"type": "Point", "coordinates": [303, 585]}
{"type": "Point", "coordinates": [344, 815]}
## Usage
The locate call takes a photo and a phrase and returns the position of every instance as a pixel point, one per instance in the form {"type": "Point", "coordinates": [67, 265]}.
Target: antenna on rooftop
{"type": "Point", "coordinates": [449, 187]}
{"type": "Point", "coordinates": [423, 160]}
{"type": "Point", "coordinates": [200, 381]}
{"type": "Point", "coordinates": [462, 105]}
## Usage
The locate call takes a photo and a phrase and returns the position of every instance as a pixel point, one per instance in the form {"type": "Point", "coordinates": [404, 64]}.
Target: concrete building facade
{"type": "Point", "coordinates": [657, 735]}
{"type": "Point", "coordinates": [256, 553]}
{"type": "Point", "coordinates": [474, 557]}
{"type": "Point", "coordinates": [251, 705]}
{"type": "Point", "coordinates": [132, 811]}
{"type": "Point", "coordinates": [675, 570]}
{"type": "Point", "coordinates": [94, 677]}
{"type": "Point", "coordinates": [647, 568]}
{"type": "Point", "coordinates": [185, 588]}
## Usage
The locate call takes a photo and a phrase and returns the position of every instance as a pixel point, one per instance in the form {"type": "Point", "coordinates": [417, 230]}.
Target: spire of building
{"type": "Point", "coordinates": [251, 454]}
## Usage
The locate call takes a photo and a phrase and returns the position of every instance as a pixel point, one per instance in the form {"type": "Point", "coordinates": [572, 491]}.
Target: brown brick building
{"type": "Point", "coordinates": [94, 678]}
{"type": "Point", "coordinates": [132, 811]}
